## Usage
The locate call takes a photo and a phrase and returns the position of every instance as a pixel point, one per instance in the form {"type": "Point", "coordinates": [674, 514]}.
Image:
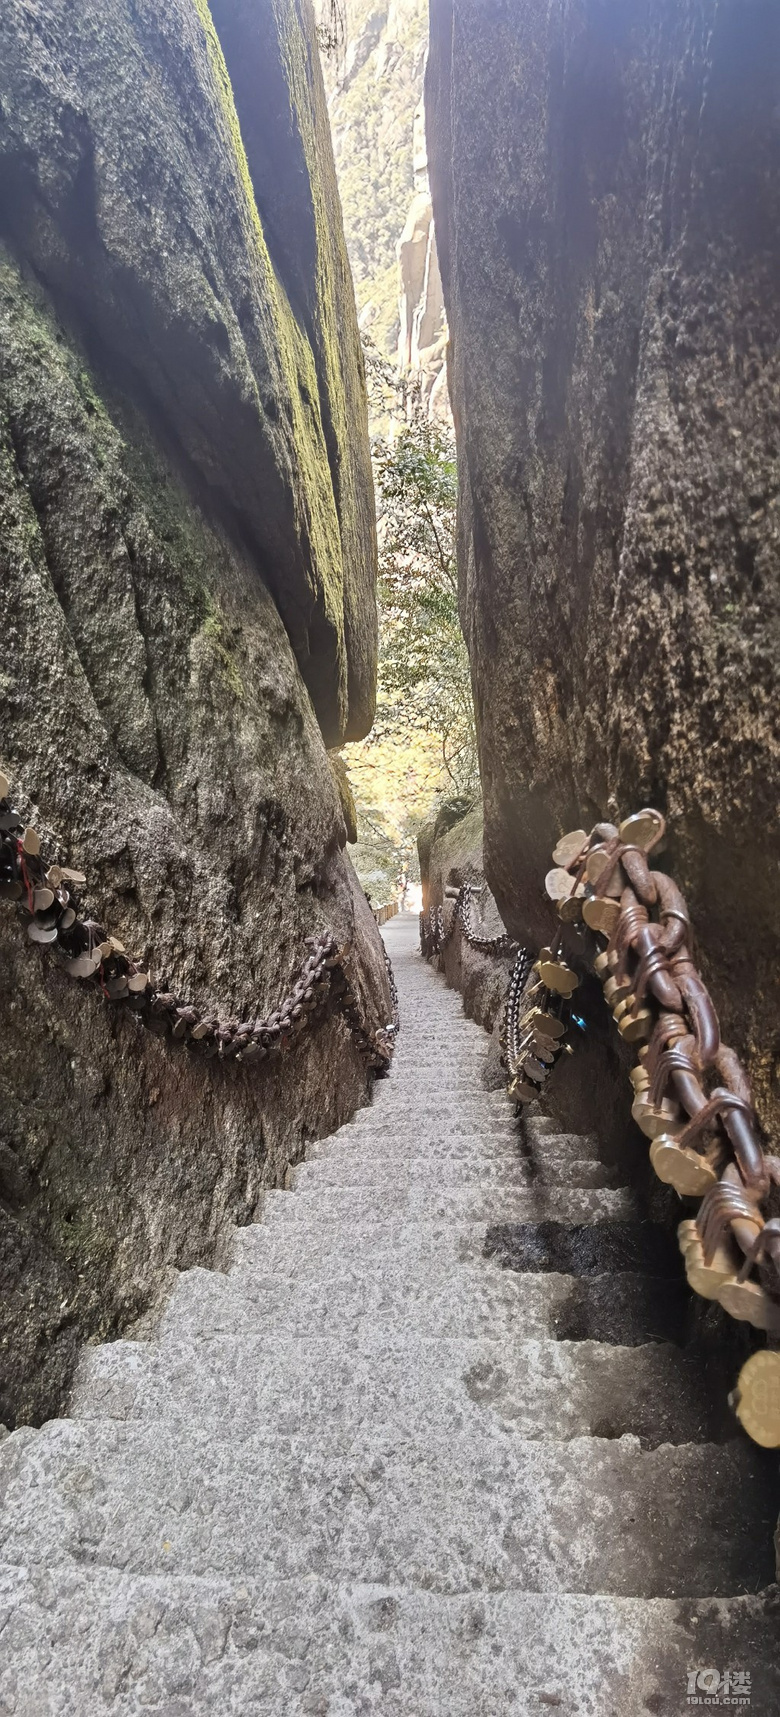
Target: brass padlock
{"type": "Point", "coordinates": [599, 861]}
{"type": "Point", "coordinates": [757, 1398]}
{"type": "Point", "coordinates": [681, 1167]}
{"type": "Point", "coordinates": [654, 1118]}
{"type": "Point", "coordinates": [545, 1023]}
{"type": "Point", "coordinates": [634, 1026]}
{"type": "Point", "coordinates": [706, 1279]}
{"type": "Point", "coordinates": [569, 847]}
{"type": "Point", "coordinates": [557, 976]}
{"type": "Point", "coordinates": [642, 829]}
{"type": "Point", "coordinates": [616, 990]}
{"type": "Point", "coordinates": [601, 914]}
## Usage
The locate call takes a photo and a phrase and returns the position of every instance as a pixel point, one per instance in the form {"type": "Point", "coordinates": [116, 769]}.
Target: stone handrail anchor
{"type": "Point", "coordinates": [47, 898]}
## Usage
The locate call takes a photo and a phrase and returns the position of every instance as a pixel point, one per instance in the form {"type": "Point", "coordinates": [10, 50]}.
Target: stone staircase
{"type": "Point", "coordinates": [433, 1447]}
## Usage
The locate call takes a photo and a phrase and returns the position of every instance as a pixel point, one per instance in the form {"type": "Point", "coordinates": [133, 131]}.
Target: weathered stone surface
{"type": "Point", "coordinates": [449, 856]}
{"type": "Point", "coordinates": [422, 340]}
{"type": "Point", "coordinates": [607, 203]}
{"type": "Point", "coordinates": [178, 430]}
{"type": "Point", "coordinates": [275, 73]}
{"type": "Point", "coordinates": [374, 89]}
{"type": "Point", "coordinates": [136, 186]}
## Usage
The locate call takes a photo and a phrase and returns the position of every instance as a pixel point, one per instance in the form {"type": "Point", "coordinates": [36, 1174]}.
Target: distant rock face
{"type": "Point", "coordinates": [187, 537]}
{"type": "Point", "coordinates": [422, 342]}
{"type": "Point", "coordinates": [606, 188]}
{"type": "Point", "coordinates": [378, 119]}
{"type": "Point", "coordinates": [373, 92]}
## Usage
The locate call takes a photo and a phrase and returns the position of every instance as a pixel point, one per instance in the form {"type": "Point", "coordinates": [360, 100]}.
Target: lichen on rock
{"type": "Point", "coordinates": [187, 556]}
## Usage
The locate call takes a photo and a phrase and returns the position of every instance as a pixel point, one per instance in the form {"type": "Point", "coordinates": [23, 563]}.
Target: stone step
{"type": "Point", "coordinates": [423, 1297]}
{"type": "Point", "coordinates": [447, 1126]}
{"type": "Point", "coordinates": [423, 1173]}
{"type": "Point", "coordinates": [292, 1383]}
{"type": "Point", "coordinates": [392, 1112]}
{"type": "Point", "coordinates": [623, 1308]}
{"type": "Point", "coordinates": [439, 1064]}
{"type": "Point", "coordinates": [450, 1169]}
{"type": "Point", "coordinates": [590, 1515]}
{"type": "Point", "coordinates": [389, 1142]}
{"type": "Point", "coordinates": [584, 1249]}
{"type": "Point", "coordinates": [357, 1205]}
{"type": "Point", "coordinates": [130, 1647]}
{"type": "Point", "coordinates": [455, 1125]}
{"type": "Point", "coordinates": [416, 1246]}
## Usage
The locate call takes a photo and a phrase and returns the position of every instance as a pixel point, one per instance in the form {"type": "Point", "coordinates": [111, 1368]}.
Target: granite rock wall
{"type": "Point", "coordinates": [606, 191]}
{"type": "Point", "coordinates": [187, 558]}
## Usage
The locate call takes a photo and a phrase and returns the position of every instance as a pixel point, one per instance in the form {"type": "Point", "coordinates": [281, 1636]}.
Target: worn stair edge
{"type": "Point", "coordinates": [288, 1381]}
{"type": "Point", "coordinates": [275, 1646]}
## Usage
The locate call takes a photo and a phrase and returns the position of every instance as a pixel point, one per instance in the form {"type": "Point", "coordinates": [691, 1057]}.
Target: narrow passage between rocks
{"type": "Point", "coordinates": [433, 1445]}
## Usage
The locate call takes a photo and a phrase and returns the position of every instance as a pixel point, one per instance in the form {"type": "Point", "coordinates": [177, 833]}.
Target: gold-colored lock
{"type": "Point", "coordinates": [601, 966]}
{"type": "Point", "coordinates": [570, 911]}
{"type": "Point", "coordinates": [559, 884]}
{"type": "Point", "coordinates": [521, 1091]}
{"type": "Point", "coordinates": [569, 847]}
{"type": "Point", "coordinates": [654, 1118]}
{"type": "Point", "coordinates": [706, 1279]}
{"type": "Point", "coordinates": [641, 829]}
{"type": "Point", "coordinates": [557, 976]}
{"type": "Point", "coordinates": [616, 990]}
{"type": "Point", "coordinates": [601, 914]}
{"type": "Point", "coordinates": [634, 1026]}
{"type": "Point", "coordinates": [681, 1167]}
{"type": "Point", "coordinates": [757, 1398]}
{"type": "Point", "coordinates": [751, 1304]}
{"type": "Point", "coordinates": [599, 861]}
{"type": "Point", "coordinates": [546, 1024]}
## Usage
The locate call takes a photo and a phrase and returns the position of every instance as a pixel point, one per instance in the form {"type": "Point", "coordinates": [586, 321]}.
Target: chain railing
{"type": "Point", "coordinates": [48, 901]}
{"type": "Point", "coordinates": [436, 929]}
{"type": "Point", "coordinates": [691, 1094]}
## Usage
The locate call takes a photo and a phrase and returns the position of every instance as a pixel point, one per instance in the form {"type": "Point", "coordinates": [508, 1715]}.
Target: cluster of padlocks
{"type": "Point", "coordinates": [691, 1094]}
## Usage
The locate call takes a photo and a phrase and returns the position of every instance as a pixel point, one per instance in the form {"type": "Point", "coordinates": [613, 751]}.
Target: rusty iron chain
{"type": "Point", "coordinates": [48, 900]}
{"type": "Point", "coordinates": [692, 1096]}
{"type": "Point", "coordinates": [436, 931]}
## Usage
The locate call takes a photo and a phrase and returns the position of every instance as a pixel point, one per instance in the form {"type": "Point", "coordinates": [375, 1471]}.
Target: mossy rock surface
{"type": "Point", "coordinates": [147, 193]}
{"type": "Point", "coordinates": [186, 559]}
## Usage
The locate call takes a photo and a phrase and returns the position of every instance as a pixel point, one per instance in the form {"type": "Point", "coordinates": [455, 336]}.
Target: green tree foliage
{"type": "Point", "coordinates": [421, 751]}
{"type": "Point", "coordinates": [424, 679]}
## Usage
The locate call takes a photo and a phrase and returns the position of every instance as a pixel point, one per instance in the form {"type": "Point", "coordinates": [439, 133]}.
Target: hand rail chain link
{"type": "Point", "coordinates": [322, 986]}
{"type": "Point", "coordinates": [692, 1096]}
